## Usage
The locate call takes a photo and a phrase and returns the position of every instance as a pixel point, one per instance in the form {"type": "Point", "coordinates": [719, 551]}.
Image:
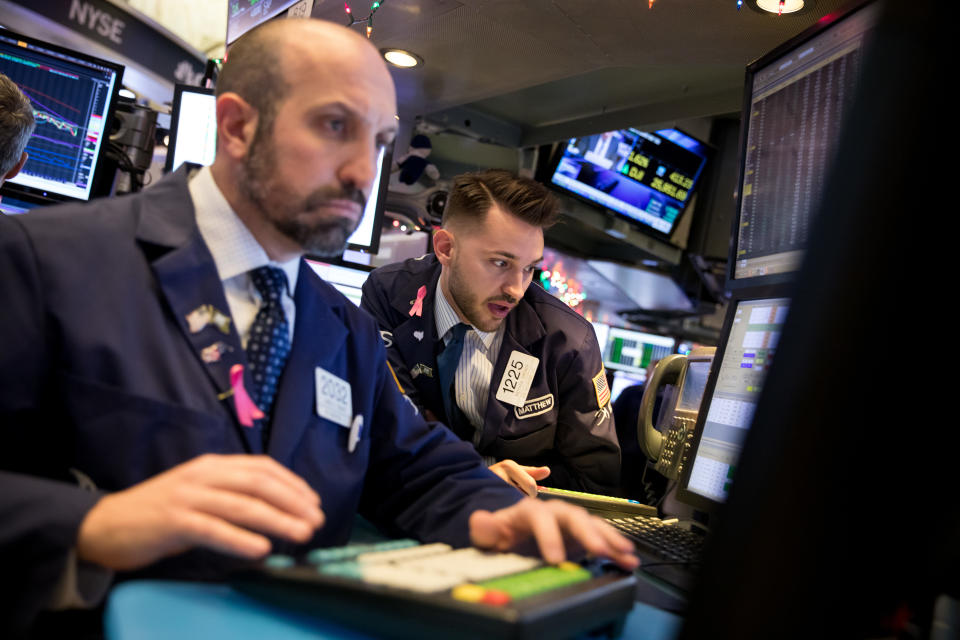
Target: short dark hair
{"type": "Point", "coordinates": [16, 124]}
{"type": "Point", "coordinates": [473, 194]}
{"type": "Point", "coordinates": [254, 71]}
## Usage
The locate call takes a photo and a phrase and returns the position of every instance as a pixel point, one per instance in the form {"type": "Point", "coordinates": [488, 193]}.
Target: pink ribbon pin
{"type": "Point", "coordinates": [417, 308]}
{"type": "Point", "coordinates": [247, 410]}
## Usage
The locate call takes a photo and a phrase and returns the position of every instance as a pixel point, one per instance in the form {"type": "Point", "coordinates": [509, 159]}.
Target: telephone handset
{"type": "Point", "coordinates": [688, 374]}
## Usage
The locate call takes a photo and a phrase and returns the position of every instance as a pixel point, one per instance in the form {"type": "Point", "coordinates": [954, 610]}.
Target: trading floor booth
{"type": "Point", "coordinates": [809, 446]}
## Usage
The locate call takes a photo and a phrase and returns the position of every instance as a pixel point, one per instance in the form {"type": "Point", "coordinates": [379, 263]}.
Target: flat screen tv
{"type": "Point", "coordinates": [647, 178]}
{"type": "Point", "coordinates": [73, 97]}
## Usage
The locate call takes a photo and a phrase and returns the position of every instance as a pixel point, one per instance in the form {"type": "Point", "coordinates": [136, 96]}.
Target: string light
{"type": "Point", "coordinates": [739, 5]}
{"type": "Point", "coordinates": [351, 20]}
{"type": "Point", "coordinates": [566, 289]}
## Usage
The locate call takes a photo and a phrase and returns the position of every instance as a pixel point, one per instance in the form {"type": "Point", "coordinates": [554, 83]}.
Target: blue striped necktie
{"type": "Point", "coordinates": [269, 343]}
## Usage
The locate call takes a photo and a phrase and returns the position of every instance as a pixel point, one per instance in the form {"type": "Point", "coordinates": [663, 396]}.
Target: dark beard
{"type": "Point", "coordinates": [322, 238]}
{"type": "Point", "coordinates": [471, 306]}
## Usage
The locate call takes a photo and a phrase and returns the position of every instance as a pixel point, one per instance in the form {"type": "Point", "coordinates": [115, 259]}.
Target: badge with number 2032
{"type": "Point", "coordinates": [517, 378]}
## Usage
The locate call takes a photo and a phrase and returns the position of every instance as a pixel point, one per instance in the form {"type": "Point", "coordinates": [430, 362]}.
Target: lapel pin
{"type": "Point", "coordinates": [207, 314]}
{"type": "Point", "coordinates": [247, 410]}
{"type": "Point", "coordinates": [214, 352]}
{"type": "Point", "coordinates": [418, 335]}
{"type": "Point", "coordinates": [421, 369]}
{"type": "Point", "coordinates": [199, 318]}
{"type": "Point", "coordinates": [417, 305]}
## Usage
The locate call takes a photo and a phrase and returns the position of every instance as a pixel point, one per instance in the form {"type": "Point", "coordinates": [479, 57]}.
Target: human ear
{"type": "Point", "coordinates": [443, 245]}
{"type": "Point", "coordinates": [236, 125]}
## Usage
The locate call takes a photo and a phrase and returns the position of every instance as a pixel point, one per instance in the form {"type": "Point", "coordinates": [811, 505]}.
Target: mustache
{"type": "Point", "coordinates": [324, 195]}
{"type": "Point", "coordinates": [503, 298]}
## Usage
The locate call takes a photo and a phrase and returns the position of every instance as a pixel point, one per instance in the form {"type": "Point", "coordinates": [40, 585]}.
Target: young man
{"type": "Point", "coordinates": [507, 366]}
{"type": "Point", "coordinates": [173, 350]}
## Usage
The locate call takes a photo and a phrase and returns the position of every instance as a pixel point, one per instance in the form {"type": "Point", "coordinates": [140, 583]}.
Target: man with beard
{"type": "Point", "coordinates": [507, 366]}
{"type": "Point", "coordinates": [178, 388]}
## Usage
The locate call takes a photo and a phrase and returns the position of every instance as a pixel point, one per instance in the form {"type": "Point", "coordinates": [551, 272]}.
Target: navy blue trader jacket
{"type": "Point", "coordinates": [101, 374]}
{"type": "Point", "coordinates": [566, 422]}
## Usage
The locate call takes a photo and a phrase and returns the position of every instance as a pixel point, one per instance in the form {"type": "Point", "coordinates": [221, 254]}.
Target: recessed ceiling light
{"type": "Point", "coordinates": [773, 6]}
{"type": "Point", "coordinates": [401, 58]}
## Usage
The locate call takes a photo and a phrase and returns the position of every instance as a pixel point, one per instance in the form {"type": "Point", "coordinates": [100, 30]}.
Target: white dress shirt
{"type": "Point", "coordinates": [475, 369]}
{"type": "Point", "coordinates": [236, 252]}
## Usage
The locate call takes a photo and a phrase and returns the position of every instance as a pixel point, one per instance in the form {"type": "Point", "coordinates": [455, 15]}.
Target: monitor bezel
{"type": "Point", "coordinates": [175, 107]}
{"type": "Point", "coordinates": [99, 187]}
{"type": "Point", "coordinates": [380, 207]}
{"type": "Point", "coordinates": [279, 14]}
{"type": "Point", "coordinates": [696, 500]}
{"type": "Point", "coordinates": [546, 178]}
{"type": "Point", "coordinates": [752, 69]}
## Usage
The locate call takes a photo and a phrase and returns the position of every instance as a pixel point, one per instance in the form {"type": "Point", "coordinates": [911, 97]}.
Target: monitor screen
{"type": "Point", "coordinates": [346, 280]}
{"type": "Point", "coordinates": [751, 331]}
{"type": "Point", "coordinates": [647, 178]}
{"type": "Point", "coordinates": [634, 351]}
{"type": "Point", "coordinates": [795, 100]}
{"type": "Point", "coordinates": [366, 237]}
{"type": "Point", "coordinates": [193, 127]}
{"type": "Point", "coordinates": [694, 383]}
{"type": "Point", "coordinates": [243, 15]}
{"type": "Point", "coordinates": [622, 380]}
{"type": "Point", "coordinates": [73, 97]}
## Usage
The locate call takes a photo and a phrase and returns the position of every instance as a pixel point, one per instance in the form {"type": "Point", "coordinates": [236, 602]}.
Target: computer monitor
{"type": "Point", "coordinates": [796, 99]}
{"type": "Point", "coordinates": [623, 380]}
{"type": "Point", "coordinates": [634, 351]}
{"type": "Point", "coordinates": [193, 127]}
{"type": "Point", "coordinates": [243, 15]}
{"type": "Point", "coordinates": [366, 237]}
{"type": "Point", "coordinates": [842, 521]}
{"type": "Point", "coordinates": [750, 336]}
{"type": "Point", "coordinates": [73, 96]}
{"type": "Point", "coordinates": [647, 178]}
{"type": "Point", "coordinates": [348, 280]}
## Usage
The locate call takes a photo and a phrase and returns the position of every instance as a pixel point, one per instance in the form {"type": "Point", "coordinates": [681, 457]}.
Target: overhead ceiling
{"type": "Point", "coordinates": [553, 68]}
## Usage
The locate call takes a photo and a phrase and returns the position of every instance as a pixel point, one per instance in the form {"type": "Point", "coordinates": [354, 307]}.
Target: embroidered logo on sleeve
{"type": "Point", "coordinates": [534, 407]}
{"type": "Point", "coordinates": [600, 386]}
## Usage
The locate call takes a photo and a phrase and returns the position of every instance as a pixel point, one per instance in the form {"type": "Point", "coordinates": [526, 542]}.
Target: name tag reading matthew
{"type": "Point", "coordinates": [334, 401]}
{"type": "Point", "coordinates": [517, 378]}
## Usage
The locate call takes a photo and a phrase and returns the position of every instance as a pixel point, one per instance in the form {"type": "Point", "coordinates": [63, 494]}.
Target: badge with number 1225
{"type": "Point", "coordinates": [517, 378]}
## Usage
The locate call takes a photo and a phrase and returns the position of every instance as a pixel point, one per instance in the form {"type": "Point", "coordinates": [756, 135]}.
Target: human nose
{"type": "Point", "coordinates": [359, 168]}
{"type": "Point", "coordinates": [515, 284]}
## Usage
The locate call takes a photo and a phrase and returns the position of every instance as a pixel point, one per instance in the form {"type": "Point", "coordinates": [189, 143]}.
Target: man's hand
{"type": "Point", "coordinates": [211, 501]}
{"type": "Point", "coordinates": [548, 521]}
{"type": "Point", "coordinates": [523, 478]}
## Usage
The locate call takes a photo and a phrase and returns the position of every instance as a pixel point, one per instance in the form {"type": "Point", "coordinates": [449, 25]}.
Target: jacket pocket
{"type": "Point", "coordinates": [121, 438]}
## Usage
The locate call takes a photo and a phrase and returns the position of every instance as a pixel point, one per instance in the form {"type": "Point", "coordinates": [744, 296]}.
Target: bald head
{"type": "Point", "coordinates": [264, 63]}
{"type": "Point", "coordinates": [304, 110]}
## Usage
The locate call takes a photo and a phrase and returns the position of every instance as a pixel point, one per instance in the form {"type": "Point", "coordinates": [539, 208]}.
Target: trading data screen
{"type": "Point", "coordinates": [748, 354]}
{"type": "Point", "coordinates": [797, 103]}
{"type": "Point", "coordinates": [627, 350]}
{"type": "Point", "coordinates": [71, 99]}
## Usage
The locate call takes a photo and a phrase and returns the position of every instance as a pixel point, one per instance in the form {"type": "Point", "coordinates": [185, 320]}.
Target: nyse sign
{"type": "Point", "coordinates": [96, 19]}
{"type": "Point", "coordinates": [125, 33]}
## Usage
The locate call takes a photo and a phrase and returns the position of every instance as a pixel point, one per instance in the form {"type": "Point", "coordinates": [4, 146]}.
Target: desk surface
{"type": "Point", "coordinates": [148, 610]}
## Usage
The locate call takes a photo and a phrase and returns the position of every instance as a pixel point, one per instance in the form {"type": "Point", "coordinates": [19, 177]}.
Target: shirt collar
{"type": "Point", "coordinates": [446, 318]}
{"type": "Point", "coordinates": [235, 251]}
